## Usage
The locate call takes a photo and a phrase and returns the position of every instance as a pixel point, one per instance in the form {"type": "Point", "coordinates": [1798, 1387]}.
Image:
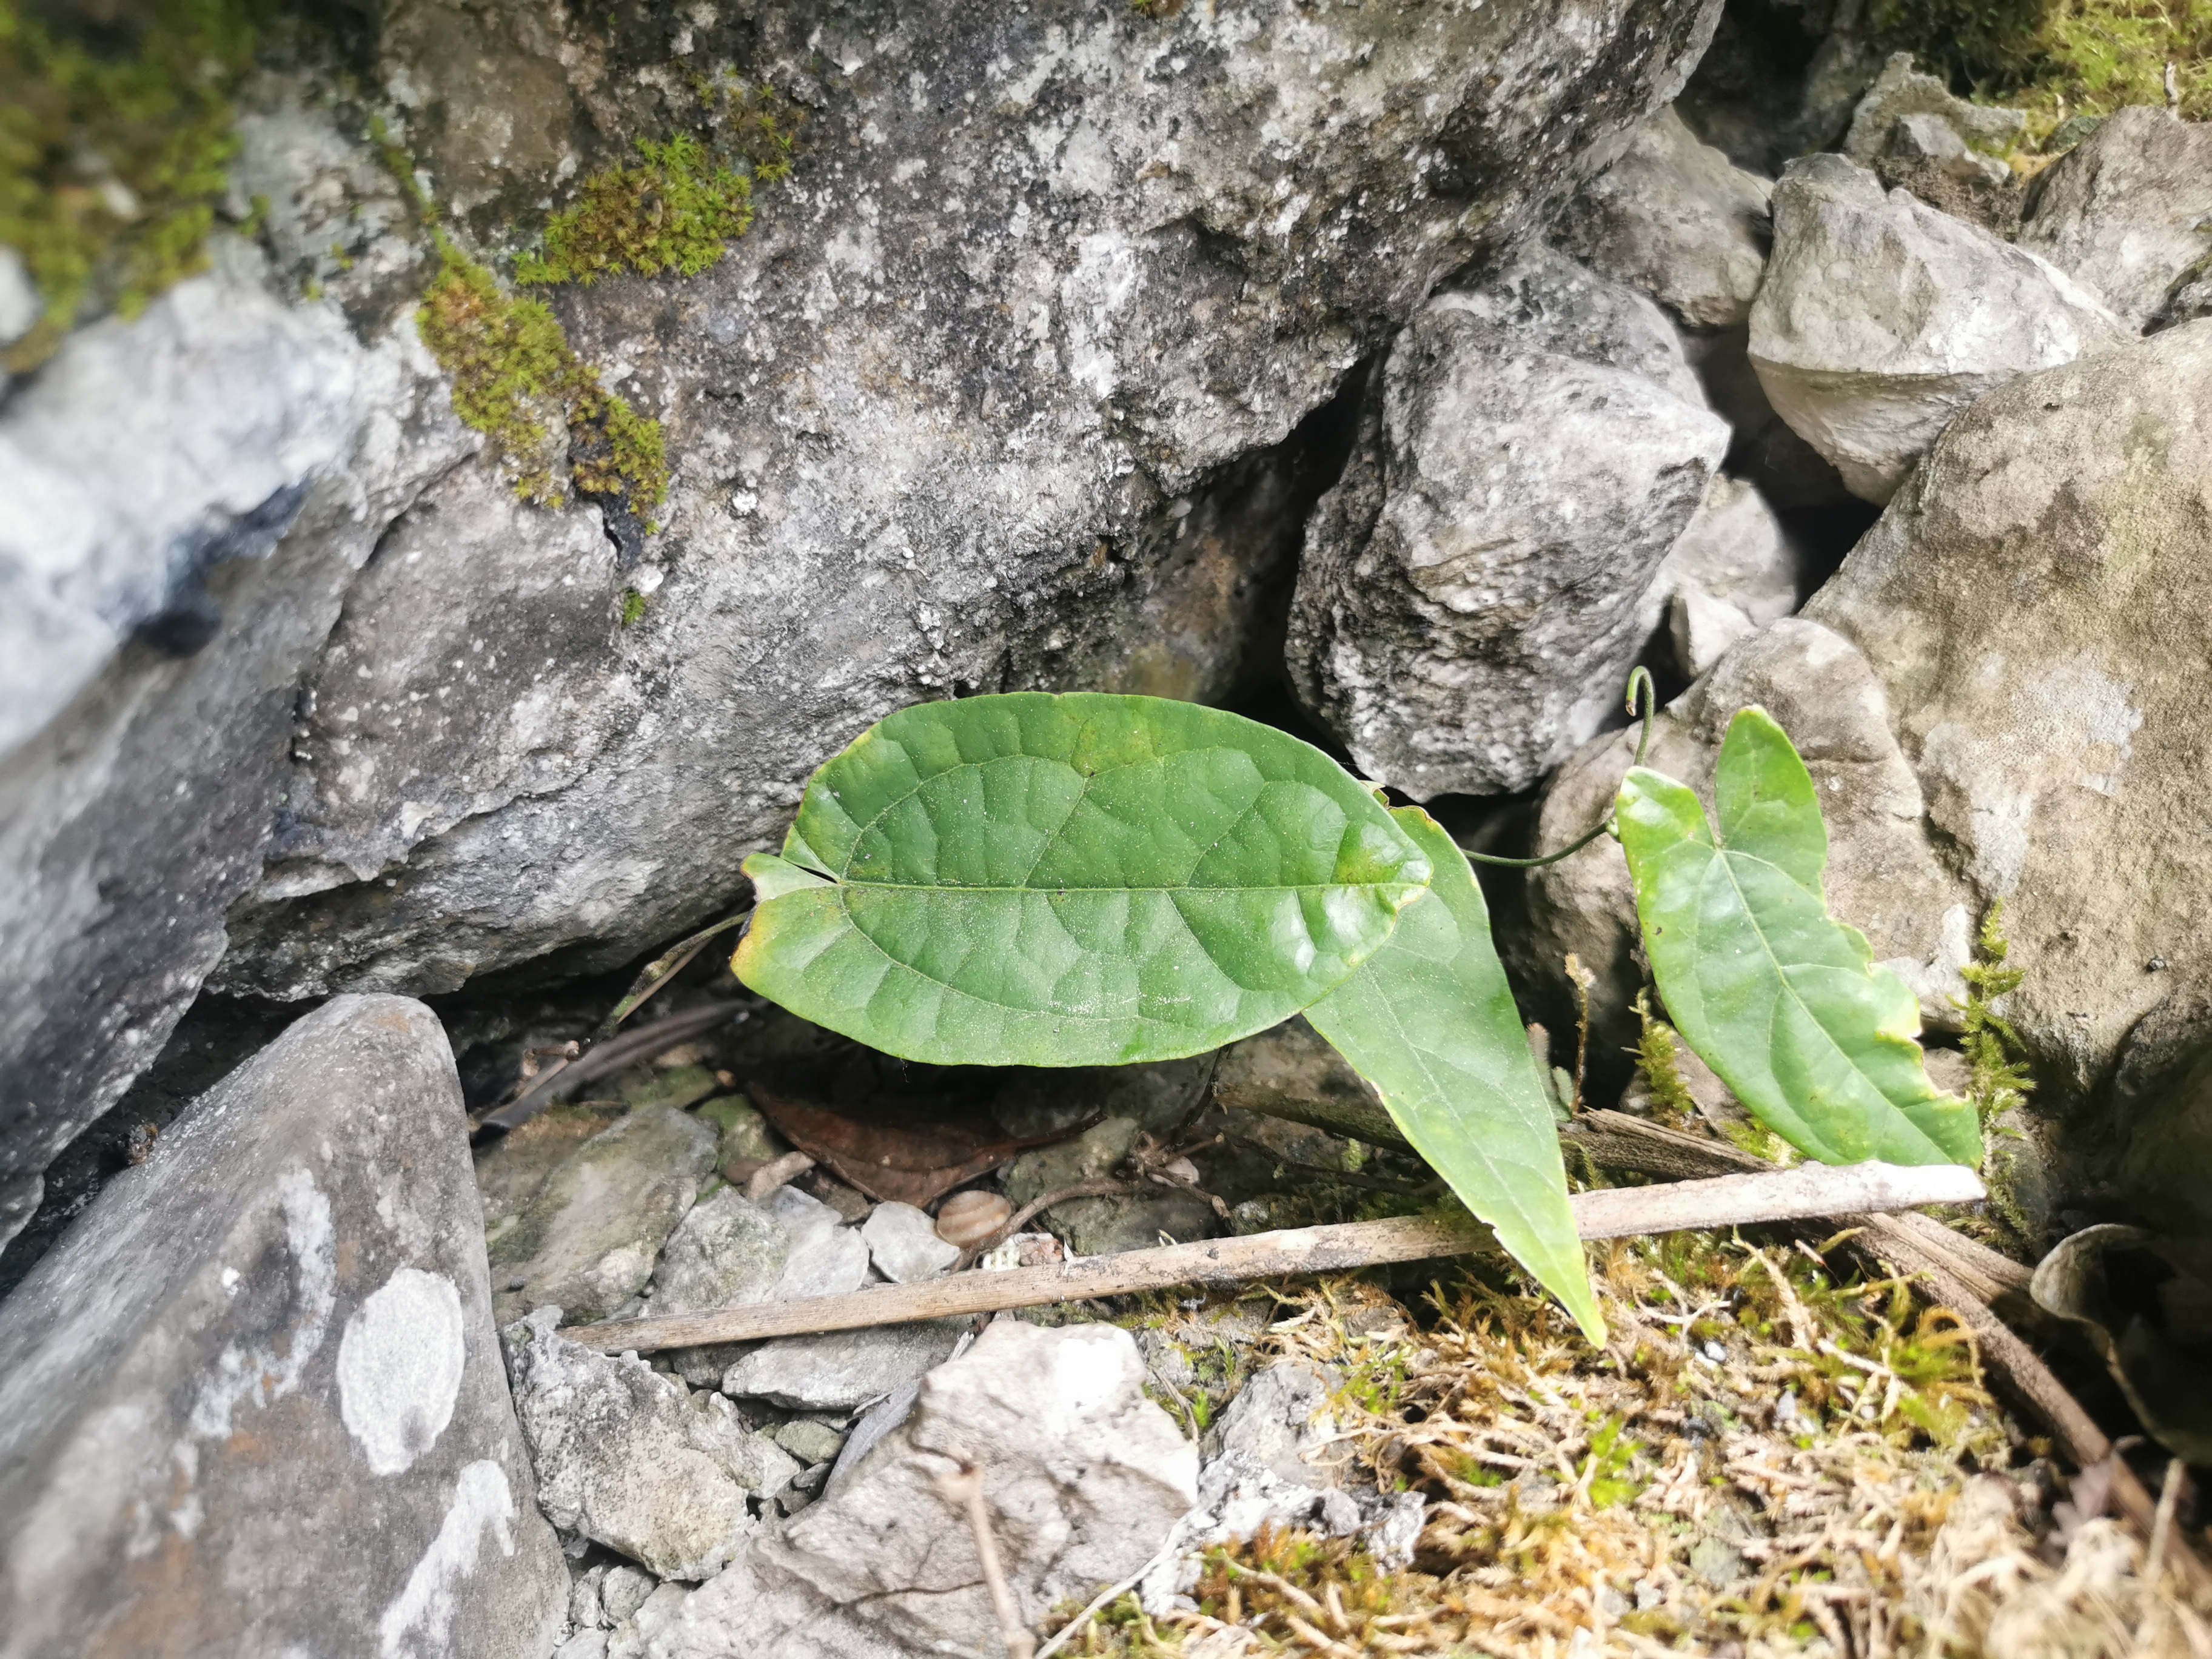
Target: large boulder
{"type": "Point", "coordinates": [1042, 282]}
{"type": "Point", "coordinates": [1004, 388]}
{"type": "Point", "coordinates": [1083, 1477]}
{"type": "Point", "coordinates": [2036, 603]}
{"type": "Point", "coordinates": [2127, 210]}
{"type": "Point", "coordinates": [252, 1403]}
{"type": "Point", "coordinates": [1882, 875]}
{"type": "Point", "coordinates": [189, 495]}
{"type": "Point", "coordinates": [1476, 585]}
{"type": "Point", "coordinates": [1881, 318]}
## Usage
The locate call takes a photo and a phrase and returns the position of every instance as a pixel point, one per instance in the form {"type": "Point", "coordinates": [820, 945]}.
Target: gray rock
{"type": "Point", "coordinates": [1900, 92]}
{"type": "Point", "coordinates": [285, 1302]}
{"type": "Point", "coordinates": [827, 1258]}
{"type": "Point", "coordinates": [809, 1440]}
{"type": "Point", "coordinates": [587, 1243]}
{"type": "Point", "coordinates": [1281, 1421]}
{"type": "Point", "coordinates": [744, 1133]}
{"type": "Point", "coordinates": [1094, 1155]}
{"type": "Point", "coordinates": [1732, 572]}
{"type": "Point", "coordinates": [1084, 1478]}
{"type": "Point", "coordinates": [2189, 301]}
{"type": "Point", "coordinates": [843, 1371]}
{"type": "Point", "coordinates": [1882, 877]}
{"type": "Point", "coordinates": [1474, 588]}
{"type": "Point", "coordinates": [640, 1636]}
{"type": "Point", "coordinates": [727, 1252]}
{"type": "Point", "coordinates": [2034, 606]}
{"type": "Point", "coordinates": [627, 1457]}
{"type": "Point", "coordinates": [1672, 218]}
{"type": "Point", "coordinates": [2129, 210]}
{"type": "Point", "coordinates": [512, 1170]}
{"type": "Point", "coordinates": [942, 419]}
{"type": "Point", "coordinates": [903, 1243]}
{"type": "Point", "coordinates": [1881, 318]}
{"type": "Point", "coordinates": [1926, 156]}
{"type": "Point", "coordinates": [623, 1592]}
{"type": "Point", "coordinates": [152, 469]}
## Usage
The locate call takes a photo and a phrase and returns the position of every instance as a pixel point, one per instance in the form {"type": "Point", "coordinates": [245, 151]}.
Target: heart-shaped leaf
{"type": "Point", "coordinates": [1077, 880]}
{"type": "Point", "coordinates": [1429, 1021]}
{"type": "Point", "coordinates": [1782, 1000]}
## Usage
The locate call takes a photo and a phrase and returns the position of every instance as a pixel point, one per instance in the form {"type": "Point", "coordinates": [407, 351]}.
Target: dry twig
{"type": "Point", "coordinates": [962, 1486]}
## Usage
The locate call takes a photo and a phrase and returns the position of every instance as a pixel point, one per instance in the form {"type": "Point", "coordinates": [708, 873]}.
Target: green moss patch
{"type": "Point", "coordinates": [2060, 58]}
{"type": "Point", "coordinates": [681, 204]}
{"type": "Point", "coordinates": [512, 367]}
{"type": "Point", "coordinates": [112, 162]}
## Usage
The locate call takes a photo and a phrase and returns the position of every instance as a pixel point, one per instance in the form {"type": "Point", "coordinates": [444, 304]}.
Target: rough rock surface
{"type": "Point", "coordinates": [1901, 92]}
{"type": "Point", "coordinates": [1732, 572]}
{"type": "Point", "coordinates": [1039, 279]}
{"type": "Point", "coordinates": [1882, 878]}
{"type": "Point", "coordinates": [2127, 209]}
{"type": "Point", "coordinates": [1476, 585]}
{"type": "Point", "coordinates": [588, 1240]}
{"type": "Point", "coordinates": [2036, 604]}
{"type": "Point", "coordinates": [725, 1253]}
{"type": "Point", "coordinates": [630, 1458]}
{"type": "Point", "coordinates": [1881, 318]}
{"type": "Point", "coordinates": [843, 1371]}
{"type": "Point", "coordinates": [1926, 156]}
{"type": "Point", "coordinates": [1084, 1478]}
{"type": "Point", "coordinates": [827, 1258]}
{"type": "Point", "coordinates": [285, 1303]}
{"type": "Point", "coordinates": [1674, 219]}
{"type": "Point", "coordinates": [1280, 1421]}
{"type": "Point", "coordinates": [902, 1242]}
{"type": "Point", "coordinates": [156, 615]}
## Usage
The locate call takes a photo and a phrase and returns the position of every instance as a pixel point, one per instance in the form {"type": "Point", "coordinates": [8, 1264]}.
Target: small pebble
{"type": "Point", "coordinates": [970, 1217]}
{"type": "Point", "coordinates": [1714, 1352]}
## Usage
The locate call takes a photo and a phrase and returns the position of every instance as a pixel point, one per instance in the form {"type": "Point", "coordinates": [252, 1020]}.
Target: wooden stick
{"type": "Point", "coordinates": [1730, 1200]}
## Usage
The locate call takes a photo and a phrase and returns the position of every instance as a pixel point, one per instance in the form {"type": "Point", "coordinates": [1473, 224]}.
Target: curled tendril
{"type": "Point", "coordinates": [1642, 702]}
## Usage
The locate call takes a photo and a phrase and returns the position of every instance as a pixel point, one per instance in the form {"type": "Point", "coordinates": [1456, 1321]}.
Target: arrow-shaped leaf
{"type": "Point", "coordinates": [1429, 1021]}
{"type": "Point", "coordinates": [1782, 1000]}
{"type": "Point", "coordinates": [1078, 880]}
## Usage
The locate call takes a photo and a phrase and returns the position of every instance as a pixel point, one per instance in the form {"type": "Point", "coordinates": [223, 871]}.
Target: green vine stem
{"type": "Point", "coordinates": [1639, 688]}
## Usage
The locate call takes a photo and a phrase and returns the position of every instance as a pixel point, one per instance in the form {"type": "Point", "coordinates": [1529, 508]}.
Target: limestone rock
{"type": "Point", "coordinates": [1926, 156]}
{"type": "Point", "coordinates": [902, 1242]}
{"type": "Point", "coordinates": [2034, 606]}
{"type": "Point", "coordinates": [1901, 92]}
{"type": "Point", "coordinates": [950, 415]}
{"type": "Point", "coordinates": [1881, 318]}
{"type": "Point", "coordinates": [1281, 1421]}
{"type": "Point", "coordinates": [588, 1240]}
{"type": "Point", "coordinates": [1084, 1478]}
{"type": "Point", "coordinates": [1672, 218]}
{"type": "Point", "coordinates": [1882, 878]}
{"type": "Point", "coordinates": [204, 482]}
{"type": "Point", "coordinates": [727, 1252]}
{"type": "Point", "coordinates": [285, 1304]}
{"type": "Point", "coordinates": [630, 1458]}
{"type": "Point", "coordinates": [512, 1169]}
{"type": "Point", "coordinates": [843, 1371]}
{"type": "Point", "coordinates": [827, 1258]}
{"type": "Point", "coordinates": [1732, 572]}
{"type": "Point", "coordinates": [1474, 588]}
{"type": "Point", "coordinates": [2129, 210]}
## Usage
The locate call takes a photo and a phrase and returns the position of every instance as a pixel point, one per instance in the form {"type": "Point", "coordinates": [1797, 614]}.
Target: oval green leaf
{"type": "Point", "coordinates": [1074, 880]}
{"type": "Point", "coordinates": [1784, 1002]}
{"type": "Point", "coordinates": [1429, 1021]}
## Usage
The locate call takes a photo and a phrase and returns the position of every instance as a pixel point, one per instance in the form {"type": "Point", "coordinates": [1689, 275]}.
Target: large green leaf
{"type": "Point", "coordinates": [1078, 880]}
{"type": "Point", "coordinates": [1429, 1021]}
{"type": "Point", "coordinates": [1783, 1001]}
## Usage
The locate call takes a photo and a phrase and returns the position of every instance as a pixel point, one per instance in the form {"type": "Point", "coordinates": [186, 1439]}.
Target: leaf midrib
{"type": "Point", "coordinates": [1722, 853]}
